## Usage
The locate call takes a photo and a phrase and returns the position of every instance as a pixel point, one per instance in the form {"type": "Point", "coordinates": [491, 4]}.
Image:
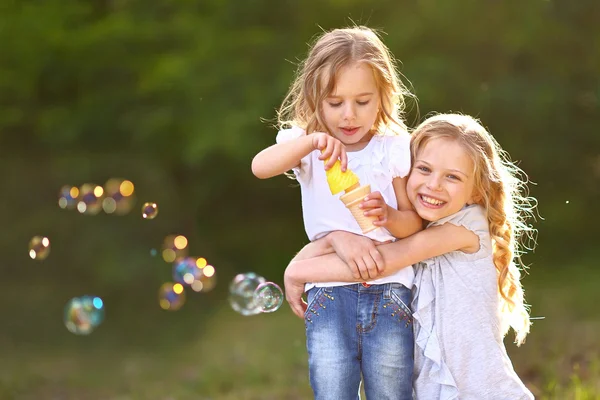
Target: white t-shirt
{"type": "Point", "coordinates": [382, 160]}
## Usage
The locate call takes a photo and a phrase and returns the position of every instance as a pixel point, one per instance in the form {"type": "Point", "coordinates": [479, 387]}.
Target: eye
{"type": "Point", "coordinates": [423, 168]}
{"type": "Point", "coordinates": [454, 177]}
{"type": "Point", "coordinates": [335, 104]}
{"type": "Point", "coordinates": [363, 103]}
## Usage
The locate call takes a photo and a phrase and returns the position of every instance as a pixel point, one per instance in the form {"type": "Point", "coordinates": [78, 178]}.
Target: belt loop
{"type": "Point", "coordinates": [387, 292]}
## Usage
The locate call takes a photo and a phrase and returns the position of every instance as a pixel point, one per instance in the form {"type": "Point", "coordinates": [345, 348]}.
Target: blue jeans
{"type": "Point", "coordinates": [354, 329]}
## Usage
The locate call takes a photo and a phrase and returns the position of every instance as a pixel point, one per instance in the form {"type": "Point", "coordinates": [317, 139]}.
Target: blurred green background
{"type": "Point", "coordinates": [178, 96]}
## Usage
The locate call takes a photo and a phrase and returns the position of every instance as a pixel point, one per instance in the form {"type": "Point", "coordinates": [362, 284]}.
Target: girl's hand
{"type": "Point", "coordinates": [331, 148]}
{"type": "Point", "coordinates": [375, 205]}
{"type": "Point", "coordinates": [359, 253]}
{"type": "Point", "coordinates": [293, 293]}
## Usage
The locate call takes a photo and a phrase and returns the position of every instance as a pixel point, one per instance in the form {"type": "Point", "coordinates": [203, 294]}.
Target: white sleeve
{"type": "Point", "coordinates": [285, 135]}
{"type": "Point", "coordinates": [399, 155]}
{"type": "Point", "coordinates": [302, 172]}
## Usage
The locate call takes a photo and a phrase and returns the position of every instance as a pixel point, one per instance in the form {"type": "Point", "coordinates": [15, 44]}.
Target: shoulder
{"type": "Point", "coordinates": [285, 135]}
{"type": "Point", "coordinates": [472, 217]}
{"type": "Point", "coordinates": [395, 151]}
{"type": "Point", "coordinates": [471, 220]}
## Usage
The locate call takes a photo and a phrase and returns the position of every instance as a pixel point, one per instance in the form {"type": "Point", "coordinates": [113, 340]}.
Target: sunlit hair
{"type": "Point", "coordinates": [315, 81]}
{"type": "Point", "coordinates": [500, 187]}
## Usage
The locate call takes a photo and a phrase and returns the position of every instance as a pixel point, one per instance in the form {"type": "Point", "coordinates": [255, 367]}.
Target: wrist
{"type": "Point", "coordinates": [392, 217]}
{"type": "Point", "coordinates": [333, 237]}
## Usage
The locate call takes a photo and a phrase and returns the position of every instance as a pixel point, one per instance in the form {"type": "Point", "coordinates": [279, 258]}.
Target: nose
{"type": "Point", "coordinates": [349, 112]}
{"type": "Point", "coordinates": [434, 183]}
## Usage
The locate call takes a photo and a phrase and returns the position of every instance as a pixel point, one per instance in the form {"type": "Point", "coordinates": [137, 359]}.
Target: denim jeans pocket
{"type": "Point", "coordinates": [311, 297]}
{"type": "Point", "coordinates": [318, 299]}
{"type": "Point", "coordinates": [400, 297]}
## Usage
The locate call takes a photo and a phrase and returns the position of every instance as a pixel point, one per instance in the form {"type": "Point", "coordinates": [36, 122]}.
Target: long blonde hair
{"type": "Point", "coordinates": [332, 51]}
{"type": "Point", "coordinates": [500, 188]}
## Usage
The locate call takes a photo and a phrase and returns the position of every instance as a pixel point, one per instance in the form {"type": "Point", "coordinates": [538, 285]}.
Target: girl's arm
{"type": "Point", "coordinates": [428, 243]}
{"type": "Point", "coordinates": [405, 221]}
{"type": "Point", "coordinates": [314, 249]}
{"type": "Point", "coordinates": [281, 157]}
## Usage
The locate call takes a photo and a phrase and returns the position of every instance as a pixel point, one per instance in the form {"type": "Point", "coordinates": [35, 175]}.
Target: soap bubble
{"type": "Point", "coordinates": [171, 296]}
{"type": "Point", "coordinates": [89, 201]}
{"type": "Point", "coordinates": [118, 196]}
{"type": "Point", "coordinates": [39, 247]}
{"type": "Point", "coordinates": [83, 314]}
{"type": "Point", "coordinates": [208, 280]}
{"type": "Point", "coordinates": [67, 197]}
{"type": "Point", "coordinates": [268, 296]}
{"type": "Point", "coordinates": [174, 246]}
{"type": "Point", "coordinates": [149, 210]}
{"type": "Point", "coordinates": [241, 293]}
{"type": "Point", "coordinates": [185, 271]}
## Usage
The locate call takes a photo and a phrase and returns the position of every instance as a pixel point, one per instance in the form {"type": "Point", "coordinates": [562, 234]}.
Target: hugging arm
{"type": "Point", "coordinates": [428, 243]}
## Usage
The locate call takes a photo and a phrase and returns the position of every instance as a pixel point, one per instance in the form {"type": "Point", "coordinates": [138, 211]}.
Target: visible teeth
{"type": "Point", "coordinates": [432, 201]}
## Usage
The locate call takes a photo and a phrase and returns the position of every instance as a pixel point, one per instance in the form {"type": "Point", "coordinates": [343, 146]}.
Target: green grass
{"type": "Point", "coordinates": [222, 355]}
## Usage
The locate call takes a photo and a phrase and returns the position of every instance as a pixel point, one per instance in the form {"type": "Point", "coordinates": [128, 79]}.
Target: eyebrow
{"type": "Point", "coordinates": [358, 95]}
{"type": "Point", "coordinates": [451, 169]}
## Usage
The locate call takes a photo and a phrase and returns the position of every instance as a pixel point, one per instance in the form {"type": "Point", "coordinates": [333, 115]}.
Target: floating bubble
{"type": "Point", "coordinates": [174, 246]}
{"type": "Point", "coordinates": [39, 247]}
{"type": "Point", "coordinates": [118, 196]}
{"type": "Point", "coordinates": [149, 210]}
{"type": "Point", "coordinates": [84, 314]}
{"type": "Point", "coordinates": [153, 252]}
{"type": "Point", "coordinates": [185, 271]}
{"type": "Point", "coordinates": [268, 296]}
{"type": "Point", "coordinates": [171, 296]}
{"type": "Point", "coordinates": [241, 293]}
{"type": "Point", "coordinates": [67, 197]}
{"type": "Point", "coordinates": [208, 280]}
{"type": "Point", "coordinates": [90, 199]}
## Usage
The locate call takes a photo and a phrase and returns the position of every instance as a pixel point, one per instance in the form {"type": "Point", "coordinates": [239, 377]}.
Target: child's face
{"type": "Point", "coordinates": [441, 181]}
{"type": "Point", "coordinates": [351, 109]}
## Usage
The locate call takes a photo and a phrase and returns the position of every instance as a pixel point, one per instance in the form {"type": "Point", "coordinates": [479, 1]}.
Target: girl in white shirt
{"type": "Point", "coordinates": [346, 103]}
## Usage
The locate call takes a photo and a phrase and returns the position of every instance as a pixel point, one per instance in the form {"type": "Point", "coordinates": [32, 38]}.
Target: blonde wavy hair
{"type": "Point", "coordinates": [315, 81]}
{"type": "Point", "coordinates": [500, 188]}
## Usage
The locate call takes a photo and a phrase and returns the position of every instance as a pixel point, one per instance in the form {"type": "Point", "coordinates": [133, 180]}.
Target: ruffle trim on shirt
{"type": "Point", "coordinates": [427, 340]}
{"type": "Point", "coordinates": [388, 158]}
{"type": "Point", "coordinates": [399, 156]}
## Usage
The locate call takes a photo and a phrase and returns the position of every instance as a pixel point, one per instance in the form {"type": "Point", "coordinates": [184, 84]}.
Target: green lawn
{"type": "Point", "coordinates": [223, 355]}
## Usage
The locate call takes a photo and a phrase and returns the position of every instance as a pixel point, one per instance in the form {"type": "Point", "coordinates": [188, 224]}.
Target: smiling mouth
{"type": "Point", "coordinates": [349, 131]}
{"type": "Point", "coordinates": [431, 202]}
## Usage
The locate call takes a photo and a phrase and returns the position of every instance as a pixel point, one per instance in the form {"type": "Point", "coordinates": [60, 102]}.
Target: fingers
{"type": "Point", "coordinates": [344, 159]}
{"type": "Point", "coordinates": [362, 269]}
{"type": "Point", "coordinates": [379, 263]}
{"type": "Point", "coordinates": [373, 200]}
{"type": "Point", "coordinates": [332, 150]}
{"type": "Point", "coordinates": [371, 267]}
{"type": "Point", "coordinates": [321, 144]}
{"type": "Point", "coordinates": [355, 269]}
{"type": "Point", "coordinates": [297, 305]}
{"type": "Point", "coordinates": [336, 153]}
